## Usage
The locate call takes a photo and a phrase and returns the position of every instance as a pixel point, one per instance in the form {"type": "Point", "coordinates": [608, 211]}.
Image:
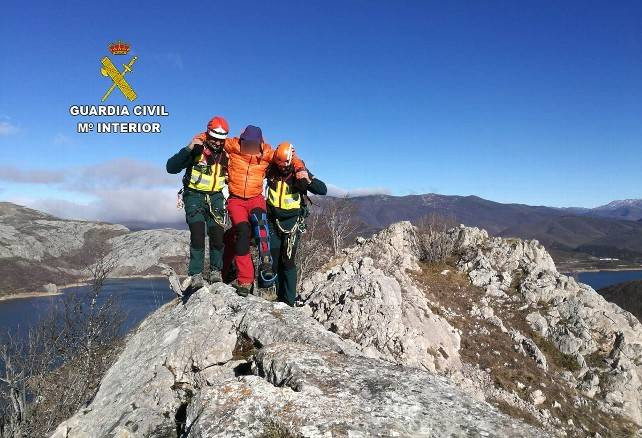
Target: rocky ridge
{"type": "Point", "coordinates": [388, 348]}
{"type": "Point", "coordinates": [601, 341]}
{"type": "Point", "coordinates": [222, 365]}
{"type": "Point", "coordinates": [514, 296]}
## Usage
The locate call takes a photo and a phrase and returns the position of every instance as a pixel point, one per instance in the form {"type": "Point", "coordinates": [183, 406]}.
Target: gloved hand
{"type": "Point", "coordinates": [302, 174]}
{"type": "Point", "coordinates": [301, 185]}
{"type": "Point", "coordinates": [197, 149]}
{"type": "Point", "coordinates": [197, 140]}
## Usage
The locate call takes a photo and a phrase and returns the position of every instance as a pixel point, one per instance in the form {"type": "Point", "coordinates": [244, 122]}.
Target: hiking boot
{"type": "Point", "coordinates": [243, 289]}
{"type": "Point", "coordinates": [265, 270]}
{"type": "Point", "coordinates": [215, 276]}
{"type": "Point", "coordinates": [196, 282]}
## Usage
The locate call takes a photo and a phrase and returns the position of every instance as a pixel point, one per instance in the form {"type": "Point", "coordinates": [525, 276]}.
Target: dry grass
{"type": "Point", "coordinates": [486, 345]}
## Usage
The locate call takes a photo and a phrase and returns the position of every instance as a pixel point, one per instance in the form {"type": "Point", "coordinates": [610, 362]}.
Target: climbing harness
{"type": "Point", "coordinates": [219, 218]}
{"type": "Point", "coordinates": [298, 227]}
{"type": "Point", "coordinates": [263, 243]}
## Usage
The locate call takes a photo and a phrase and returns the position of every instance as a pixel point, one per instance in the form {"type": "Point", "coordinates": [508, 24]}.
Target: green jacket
{"type": "Point", "coordinates": [179, 161]}
{"type": "Point", "coordinates": [288, 217]}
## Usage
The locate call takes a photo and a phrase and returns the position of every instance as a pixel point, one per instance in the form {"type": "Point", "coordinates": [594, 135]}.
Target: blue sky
{"type": "Point", "coordinates": [532, 102]}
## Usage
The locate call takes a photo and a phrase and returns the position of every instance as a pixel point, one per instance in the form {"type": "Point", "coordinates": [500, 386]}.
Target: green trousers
{"type": "Point", "coordinates": [283, 264]}
{"type": "Point", "coordinates": [204, 213]}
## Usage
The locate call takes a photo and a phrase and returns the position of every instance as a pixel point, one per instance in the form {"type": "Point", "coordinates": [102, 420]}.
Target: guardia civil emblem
{"type": "Point", "coordinates": [117, 77]}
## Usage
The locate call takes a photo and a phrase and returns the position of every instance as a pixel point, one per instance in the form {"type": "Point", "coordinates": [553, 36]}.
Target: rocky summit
{"type": "Point", "coordinates": [491, 342]}
{"type": "Point", "coordinates": [222, 365]}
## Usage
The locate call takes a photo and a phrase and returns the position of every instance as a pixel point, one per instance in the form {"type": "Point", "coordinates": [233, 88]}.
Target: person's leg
{"type": "Point", "coordinates": [228, 256]}
{"type": "Point", "coordinates": [195, 218]}
{"type": "Point", "coordinates": [287, 273]}
{"type": "Point", "coordinates": [261, 231]}
{"type": "Point", "coordinates": [275, 250]}
{"type": "Point", "coordinates": [242, 232]}
{"type": "Point", "coordinates": [215, 233]}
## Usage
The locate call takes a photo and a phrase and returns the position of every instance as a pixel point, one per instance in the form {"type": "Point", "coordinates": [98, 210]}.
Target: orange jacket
{"type": "Point", "coordinates": [246, 172]}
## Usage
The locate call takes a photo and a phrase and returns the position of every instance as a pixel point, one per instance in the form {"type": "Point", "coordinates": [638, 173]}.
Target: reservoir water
{"type": "Point", "coordinates": [139, 297]}
{"type": "Point", "coordinates": [600, 279]}
{"type": "Point", "coordinates": [136, 297]}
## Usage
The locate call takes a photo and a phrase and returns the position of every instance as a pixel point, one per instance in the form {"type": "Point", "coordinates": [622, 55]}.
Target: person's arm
{"type": "Point", "coordinates": [317, 187]}
{"type": "Point", "coordinates": [301, 173]}
{"type": "Point", "coordinates": [183, 158]}
{"type": "Point", "coordinates": [313, 185]}
{"type": "Point", "coordinates": [232, 146]}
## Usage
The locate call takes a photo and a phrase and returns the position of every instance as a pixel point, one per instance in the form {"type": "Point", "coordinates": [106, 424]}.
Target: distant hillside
{"type": "Point", "coordinates": [569, 233]}
{"type": "Point", "coordinates": [599, 237]}
{"type": "Point", "coordinates": [626, 295]}
{"type": "Point", "coordinates": [627, 209]}
{"type": "Point", "coordinates": [37, 248]}
{"type": "Point", "coordinates": [379, 211]}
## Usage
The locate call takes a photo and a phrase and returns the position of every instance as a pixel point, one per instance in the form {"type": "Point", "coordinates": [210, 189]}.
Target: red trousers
{"type": "Point", "coordinates": [241, 212]}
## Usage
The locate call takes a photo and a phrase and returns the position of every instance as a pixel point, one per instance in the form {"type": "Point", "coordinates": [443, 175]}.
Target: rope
{"type": "Point", "coordinates": [222, 221]}
{"type": "Point", "coordinates": [291, 233]}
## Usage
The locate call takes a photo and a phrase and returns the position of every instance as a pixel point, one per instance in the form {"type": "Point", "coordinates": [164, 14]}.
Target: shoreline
{"type": "Point", "coordinates": [61, 289]}
{"type": "Point", "coordinates": [580, 271]}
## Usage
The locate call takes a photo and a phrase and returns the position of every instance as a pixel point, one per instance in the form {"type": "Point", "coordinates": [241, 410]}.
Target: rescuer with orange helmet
{"type": "Point", "coordinates": [287, 211]}
{"type": "Point", "coordinates": [206, 165]}
{"type": "Point", "coordinates": [249, 158]}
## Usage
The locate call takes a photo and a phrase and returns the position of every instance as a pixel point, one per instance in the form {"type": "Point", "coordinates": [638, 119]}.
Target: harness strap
{"type": "Point", "coordinates": [222, 221]}
{"type": "Point", "coordinates": [292, 234]}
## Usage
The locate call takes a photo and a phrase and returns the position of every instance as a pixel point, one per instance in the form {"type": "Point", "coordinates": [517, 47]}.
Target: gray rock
{"type": "Point", "coordinates": [537, 397]}
{"type": "Point", "coordinates": [144, 251]}
{"type": "Point", "coordinates": [231, 366]}
{"type": "Point", "coordinates": [50, 288]}
{"type": "Point", "coordinates": [37, 249]}
{"type": "Point", "coordinates": [377, 305]}
{"type": "Point", "coordinates": [318, 394]}
{"type": "Point", "coordinates": [577, 320]}
{"type": "Point", "coordinates": [529, 348]}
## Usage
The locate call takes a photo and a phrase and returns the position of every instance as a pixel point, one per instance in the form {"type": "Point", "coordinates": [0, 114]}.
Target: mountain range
{"type": "Point", "coordinates": [612, 231]}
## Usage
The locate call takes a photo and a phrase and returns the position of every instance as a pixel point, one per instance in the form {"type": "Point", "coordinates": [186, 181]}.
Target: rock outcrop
{"type": "Point", "coordinates": [370, 299]}
{"type": "Point", "coordinates": [222, 365]}
{"type": "Point", "coordinates": [603, 341]}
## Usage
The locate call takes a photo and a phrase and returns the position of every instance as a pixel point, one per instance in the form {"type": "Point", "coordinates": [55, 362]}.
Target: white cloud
{"type": "Point", "coordinates": [365, 191]}
{"type": "Point", "coordinates": [14, 174]}
{"type": "Point", "coordinates": [7, 128]}
{"type": "Point", "coordinates": [121, 173]}
{"type": "Point", "coordinates": [121, 190]}
{"type": "Point", "coordinates": [113, 174]}
{"type": "Point", "coordinates": [118, 206]}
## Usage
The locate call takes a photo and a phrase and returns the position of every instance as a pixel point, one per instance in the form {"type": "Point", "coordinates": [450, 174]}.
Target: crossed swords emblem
{"type": "Point", "coordinates": [118, 77]}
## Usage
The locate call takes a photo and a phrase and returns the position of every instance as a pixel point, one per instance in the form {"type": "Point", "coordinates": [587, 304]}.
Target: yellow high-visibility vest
{"type": "Point", "coordinates": [206, 177]}
{"type": "Point", "coordinates": [282, 196]}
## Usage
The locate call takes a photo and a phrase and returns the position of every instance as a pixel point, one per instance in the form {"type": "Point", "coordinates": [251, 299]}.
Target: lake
{"type": "Point", "coordinates": [141, 296]}
{"type": "Point", "coordinates": [137, 297]}
{"type": "Point", "coordinates": [600, 279]}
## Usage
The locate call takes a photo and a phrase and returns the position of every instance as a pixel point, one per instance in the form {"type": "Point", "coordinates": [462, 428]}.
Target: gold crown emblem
{"type": "Point", "coordinates": [119, 48]}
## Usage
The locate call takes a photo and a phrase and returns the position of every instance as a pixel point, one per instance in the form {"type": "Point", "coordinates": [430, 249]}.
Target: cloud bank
{"type": "Point", "coordinates": [122, 191]}
{"type": "Point", "coordinates": [350, 193]}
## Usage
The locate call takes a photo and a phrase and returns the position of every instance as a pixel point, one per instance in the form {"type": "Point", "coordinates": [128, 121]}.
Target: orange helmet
{"type": "Point", "coordinates": [218, 128]}
{"type": "Point", "coordinates": [283, 155]}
